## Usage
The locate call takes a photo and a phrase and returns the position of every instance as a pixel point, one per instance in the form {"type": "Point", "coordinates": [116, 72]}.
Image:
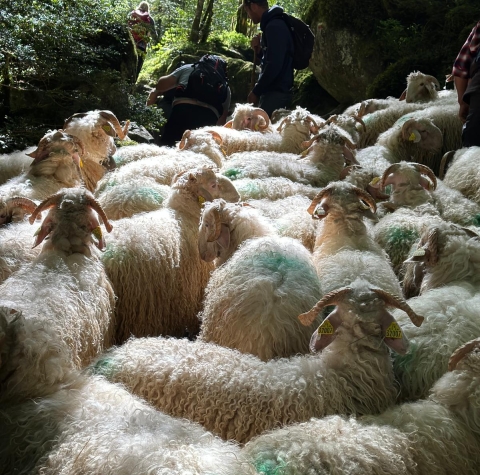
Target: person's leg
{"type": "Point", "coordinates": [275, 100]}
{"type": "Point", "coordinates": [471, 128]}
{"type": "Point", "coordinates": [186, 117]}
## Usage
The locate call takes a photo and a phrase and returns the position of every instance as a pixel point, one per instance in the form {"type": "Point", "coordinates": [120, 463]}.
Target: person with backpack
{"type": "Point", "coordinates": [275, 48]}
{"type": "Point", "coordinates": [467, 83]}
{"type": "Point", "coordinates": [201, 97]}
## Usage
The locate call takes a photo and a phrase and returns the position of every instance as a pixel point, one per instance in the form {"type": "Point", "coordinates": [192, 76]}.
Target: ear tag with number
{"type": "Point", "coordinates": [393, 331]}
{"type": "Point", "coordinates": [326, 328]}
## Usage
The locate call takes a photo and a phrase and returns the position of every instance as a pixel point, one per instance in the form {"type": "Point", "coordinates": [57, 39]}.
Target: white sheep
{"type": "Point", "coordinates": [436, 436]}
{"type": "Point", "coordinates": [96, 427]}
{"type": "Point", "coordinates": [153, 262]}
{"type": "Point", "coordinates": [421, 88]}
{"type": "Point", "coordinates": [321, 162]}
{"type": "Point", "coordinates": [57, 311]}
{"type": "Point", "coordinates": [238, 396]}
{"type": "Point", "coordinates": [463, 173]}
{"type": "Point", "coordinates": [14, 164]}
{"type": "Point", "coordinates": [252, 301]}
{"type": "Point", "coordinates": [248, 117]}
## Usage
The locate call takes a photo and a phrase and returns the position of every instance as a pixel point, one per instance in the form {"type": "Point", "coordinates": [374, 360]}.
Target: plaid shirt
{"type": "Point", "coordinates": [461, 66]}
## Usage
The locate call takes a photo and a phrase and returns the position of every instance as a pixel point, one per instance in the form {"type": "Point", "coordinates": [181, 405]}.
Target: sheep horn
{"type": "Point", "coordinates": [213, 236]}
{"type": "Point", "coordinates": [332, 298]}
{"type": "Point", "coordinates": [350, 144]}
{"type": "Point", "coordinates": [49, 202]}
{"type": "Point", "coordinates": [229, 124]}
{"type": "Point", "coordinates": [78, 115]}
{"type": "Point", "coordinates": [360, 121]}
{"type": "Point", "coordinates": [394, 301]}
{"type": "Point", "coordinates": [327, 191]}
{"type": "Point", "coordinates": [263, 114]}
{"type": "Point", "coordinates": [24, 203]}
{"type": "Point", "coordinates": [282, 124]}
{"type": "Point", "coordinates": [434, 80]}
{"type": "Point", "coordinates": [95, 205]}
{"type": "Point", "coordinates": [367, 197]}
{"type": "Point", "coordinates": [333, 118]}
{"type": "Point", "coordinates": [432, 244]}
{"type": "Point", "coordinates": [391, 169]}
{"type": "Point", "coordinates": [111, 117]}
{"type": "Point", "coordinates": [405, 126]}
{"type": "Point", "coordinates": [461, 352]}
{"type": "Point", "coordinates": [403, 95]}
{"type": "Point", "coordinates": [186, 135]}
{"type": "Point", "coordinates": [308, 143]}
{"type": "Point", "coordinates": [362, 110]}
{"type": "Point", "coordinates": [216, 136]}
{"type": "Point", "coordinates": [314, 127]}
{"type": "Point", "coordinates": [428, 172]}
{"type": "Point", "coordinates": [347, 170]}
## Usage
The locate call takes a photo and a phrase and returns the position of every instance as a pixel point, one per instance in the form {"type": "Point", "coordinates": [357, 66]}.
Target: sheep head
{"type": "Point", "coordinates": [299, 118]}
{"type": "Point", "coordinates": [14, 209]}
{"type": "Point", "coordinates": [468, 355]}
{"type": "Point", "coordinates": [58, 141]}
{"type": "Point", "coordinates": [368, 304]}
{"type": "Point", "coordinates": [342, 199]}
{"type": "Point", "coordinates": [247, 117]}
{"type": "Point", "coordinates": [72, 218]}
{"type": "Point", "coordinates": [104, 119]}
{"type": "Point", "coordinates": [422, 132]}
{"type": "Point", "coordinates": [421, 87]}
{"type": "Point", "coordinates": [409, 175]}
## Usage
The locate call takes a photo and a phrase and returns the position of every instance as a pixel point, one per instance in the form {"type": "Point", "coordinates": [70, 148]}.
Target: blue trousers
{"type": "Point", "coordinates": [271, 101]}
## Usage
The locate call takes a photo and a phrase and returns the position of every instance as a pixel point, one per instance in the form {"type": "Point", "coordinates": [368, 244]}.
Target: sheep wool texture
{"type": "Point", "coordinates": [253, 300]}
{"type": "Point", "coordinates": [96, 427]}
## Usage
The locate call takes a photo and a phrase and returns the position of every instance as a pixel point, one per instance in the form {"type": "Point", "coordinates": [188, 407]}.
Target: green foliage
{"type": "Point", "coordinates": [150, 117]}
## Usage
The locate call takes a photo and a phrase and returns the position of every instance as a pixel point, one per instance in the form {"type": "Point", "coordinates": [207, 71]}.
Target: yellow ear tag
{"type": "Point", "coordinates": [224, 151]}
{"type": "Point", "coordinates": [97, 232]}
{"type": "Point", "coordinates": [107, 129]}
{"type": "Point", "coordinates": [393, 331]}
{"type": "Point", "coordinates": [257, 127]}
{"type": "Point", "coordinates": [80, 162]}
{"type": "Point", "coordinates": [415, 137]}
{"type": "Point", "coordinates": [326, 328]}
{"type": "Point", "coordinates": [375, 181]}
{"type": "Point", "coordinates": [201, 199]}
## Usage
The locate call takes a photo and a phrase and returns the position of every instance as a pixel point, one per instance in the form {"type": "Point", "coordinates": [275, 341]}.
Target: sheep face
{"type": "Point", "coordinates": [421, 87]}
{"type": "Point", "coordinates": [422, 132]}
{"type": "Point", "coordinates": [247, 117]}
{"type": "Point", "coordinates": [213, 235]}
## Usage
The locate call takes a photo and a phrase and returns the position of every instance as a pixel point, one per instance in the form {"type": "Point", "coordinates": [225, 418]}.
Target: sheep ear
{"type": "Point", "coordinates": [393, 334]}
{"type": "Point", "coordinates": [44, 230]}
{"type": "Point", "coordinates": [325, 333]}
{"type": "Point", "coordinates": [224, 239]}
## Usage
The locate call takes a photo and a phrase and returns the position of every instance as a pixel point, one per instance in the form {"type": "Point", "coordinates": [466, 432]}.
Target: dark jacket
{"type": "Point", "coordinates": [277, 54]}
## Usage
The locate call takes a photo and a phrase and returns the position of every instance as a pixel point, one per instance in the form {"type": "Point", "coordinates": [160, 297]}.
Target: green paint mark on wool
{"type": "Point", "coordinates": [270, 467]}
{"type": "Point", "coordinates": [116, 253]}
{"type": "Point", "coordinates": [476, 220]}
{"type": "Point", "coordinates": [151, 194]}
{"type": "Point", "coordinates": [103, 367]}
{"type": "Point", "coordinates": [277, 262]}
{"type": "Point", "coordinates": [400, 236]}
{"type": "Point", "coordinates": [232, 173]}
{"type": "Point", "coordinates": [405, 363]}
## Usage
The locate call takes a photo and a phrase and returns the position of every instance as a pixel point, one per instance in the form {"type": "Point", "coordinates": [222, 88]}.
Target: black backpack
{"type": "Point", "coordinates": [207, 82]}
{"type": "Point", "coordinates": [303, 40]}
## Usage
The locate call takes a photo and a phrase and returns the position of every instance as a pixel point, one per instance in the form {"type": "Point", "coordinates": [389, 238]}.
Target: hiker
{"type": "Point", "coordinates": [201, 97]}
{"type": "Point", "coordinates": [273, 89]}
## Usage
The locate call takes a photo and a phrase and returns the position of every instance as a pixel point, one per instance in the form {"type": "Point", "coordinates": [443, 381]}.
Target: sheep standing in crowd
{"type": "Point", "coordinates": [57, 311]}
{"type": "Point", "coordinates": [464, 174]}
{"type": "Point", "coordinates": [322, 161]}
{"type": "Point", "coordinates": [252, 301]}
{"type": "Point", "coordinates": [447, 261]}
{"type": "Point", "coordinates": [56, 165]}
{"type": "Point", "coordinates": [153, 262]}
{"type": "Point", "coordinates": [344, 250]}
{"type": "Point", "coordinates": [96, 427]}
{"type": "Point", "coordinates": [238, 396]}
{"type": "Point", "coordinates": [292, 132]}
{"type": "Point", "coordinates": [436, 436]}
{"type": "Point", "coordinates": [248, 117]}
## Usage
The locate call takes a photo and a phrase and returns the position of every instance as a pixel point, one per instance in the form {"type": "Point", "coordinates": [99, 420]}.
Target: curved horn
{"type": "Point", "coordinates": [95, 205]}
{"type": "Point", "coordinates": [360, 121]}
{"type": "Point", "coordinates": [405, 126]}
{"type": "Point", "coordinates": [332, 298]}
{"type": "Point", "coordinates": [367, 197]}
{"type": "Point", "coordinates": [263, 114]}
{"type": "Point", "coordinates": [78, 115]}
{"type": "Point", "coordinates": [362, 110]}
{"type": "Point", "coordinates": [347, 170]}
{"type": "Point", "coordinates": [216, 136]}
{"type": "Point", "coordinates": [350, 144]}
{"type": "Point", "coordinates": [391, 169]}
{"type": "Point", "coordinates": [308, 143]}
{"type": "Point", "coordinates": [215, 234]}
{"type": "Point", "coordinates": [314, 127]}
{"type": "Point", "coordinates": [432, 244]}
{"type": "Point", "coordinates": [316, 200]}
{"type": "Point", "coordinates": [434, 80]}
{"type": "Point", "coordinates": [186, 135]}
{"type": "Point", "coordinates": [332, 119]}
{"type": "Point", "coordinates": [394, 301]}
{"type": "Point", "coordinates": [24, 203]}
{"type": "Point", "coordinates": [111, 117]}
{"type": "Point", "coordinates": [49, 202]}
{"type": "Point", "coordinates": [282, 124]}
{"type": "Point", "coordinates": [461, 352]}
{"type": "Point", "coordinates": [426, 171]}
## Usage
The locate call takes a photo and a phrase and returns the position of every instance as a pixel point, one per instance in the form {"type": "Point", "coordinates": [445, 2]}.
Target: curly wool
{"type": "Point", "coordinates": [252, 301]}
{"type": "Point", "coordinates": [98, 427]}
{"type": "Point", "coordinates": [14, 164]}
{"type": "Point", "coordinates": [272, 188]}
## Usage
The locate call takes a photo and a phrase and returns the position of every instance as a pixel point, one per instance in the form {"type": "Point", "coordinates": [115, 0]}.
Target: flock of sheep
{"type": "Point", "coordinates": [293, 297]}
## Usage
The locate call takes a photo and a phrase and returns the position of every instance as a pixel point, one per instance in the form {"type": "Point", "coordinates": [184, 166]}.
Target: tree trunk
{"type": "Point", "coordinates": [242, 20]}
{"type": "Point", "coordinates": [195, 31]}
{"type": "Point", "coordinates": [206, 23]}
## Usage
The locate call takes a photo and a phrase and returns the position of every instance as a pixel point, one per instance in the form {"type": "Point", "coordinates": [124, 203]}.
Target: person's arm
{"type": "Point", "coordinates": [226, 105]}
{"type": "Point", "coordinates": [461, 85]}
{"type": "Point", "coordinates": [165, 83]}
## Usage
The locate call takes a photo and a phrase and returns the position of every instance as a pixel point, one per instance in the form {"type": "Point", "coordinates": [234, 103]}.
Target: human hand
{"type": "Point", "coordinates": [463, 111]}
{"type": "Point", "coordinates": [152, 98]}
{"type": "Point", "coordinates": [252, 98]}
{"type": "Point", "coordinates": [255, 43]}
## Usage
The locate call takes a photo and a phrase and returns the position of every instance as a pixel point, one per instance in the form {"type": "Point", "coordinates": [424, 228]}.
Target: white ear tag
{"type": "Point", "coordinates": [419, 252]}
{"type": "Point", "coordinates": [415, 137]}
{"type": "Point", "coordinates": [319, 212]}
